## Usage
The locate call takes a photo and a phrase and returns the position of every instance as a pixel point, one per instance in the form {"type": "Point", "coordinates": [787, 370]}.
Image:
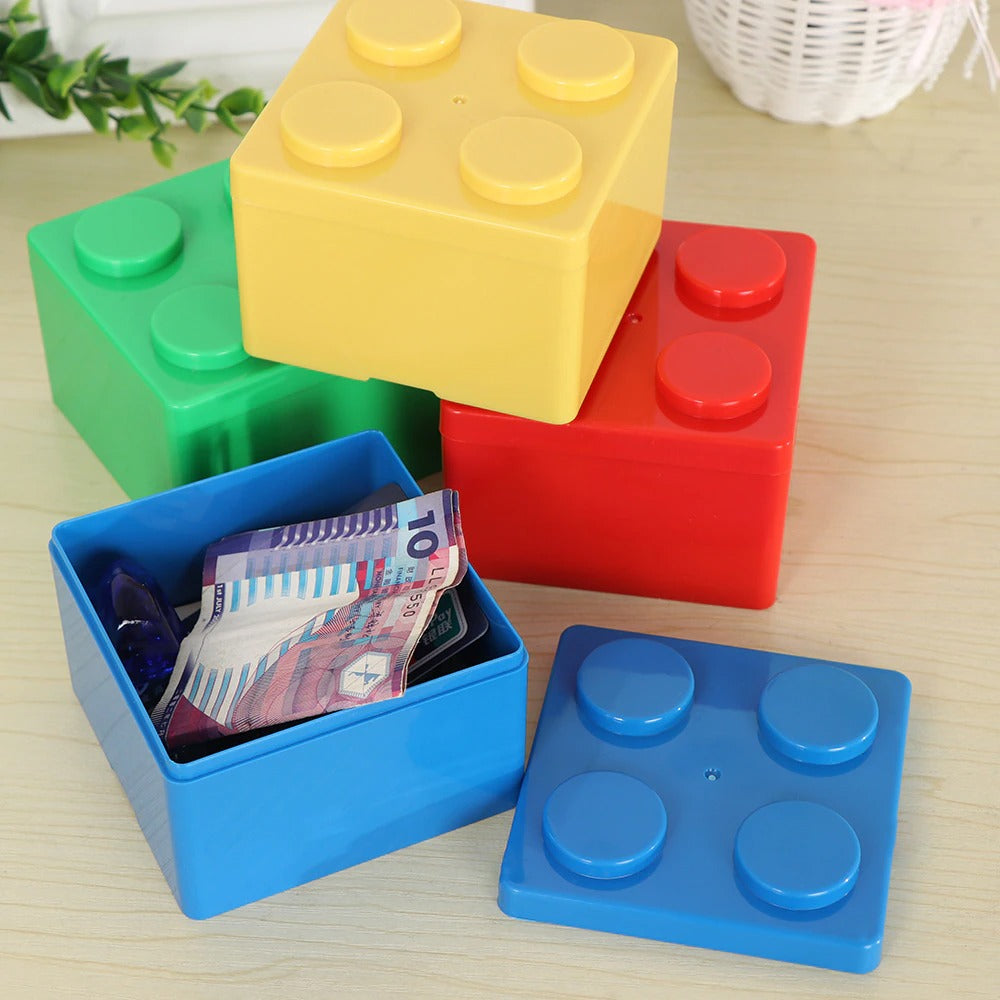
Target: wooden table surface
{"type": "Point", "coordinates": [891, 559]}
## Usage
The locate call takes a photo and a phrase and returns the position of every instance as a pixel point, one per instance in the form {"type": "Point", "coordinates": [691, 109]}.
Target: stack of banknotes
{"type": "Point", "coordinates": [315, 617]}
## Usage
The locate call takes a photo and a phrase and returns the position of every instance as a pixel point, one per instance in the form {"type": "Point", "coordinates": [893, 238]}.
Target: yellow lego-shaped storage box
{"type": "Point", "coordinates": [456, 197]}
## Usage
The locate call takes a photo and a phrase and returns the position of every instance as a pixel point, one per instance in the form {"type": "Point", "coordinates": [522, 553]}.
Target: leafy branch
{"type": "Point", "coordinates": [107, 93]}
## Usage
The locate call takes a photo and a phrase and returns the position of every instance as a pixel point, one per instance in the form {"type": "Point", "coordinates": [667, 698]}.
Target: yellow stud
{"type": "Point", "coordinates": [521, 161]}
{"type": "Point", "coordinates": [575, 60]}
{"type": "Point", "coordinates": [403, 32]}
{"type": "Point", "coordinates": [342, 124]}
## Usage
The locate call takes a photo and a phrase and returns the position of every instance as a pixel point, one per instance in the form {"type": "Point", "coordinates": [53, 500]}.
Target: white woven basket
{"type": "Point", "coordinates": [831, 61]}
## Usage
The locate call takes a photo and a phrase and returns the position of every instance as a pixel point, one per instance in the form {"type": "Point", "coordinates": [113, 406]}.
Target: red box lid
{"type": "Point", "coordinates": [705, 367]}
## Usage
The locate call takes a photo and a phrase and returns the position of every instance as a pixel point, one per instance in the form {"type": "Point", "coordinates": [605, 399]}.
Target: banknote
{"type": "Point", "coordinates": [309, 618]}
{"type": "Point", "coordinates": [458, 621]}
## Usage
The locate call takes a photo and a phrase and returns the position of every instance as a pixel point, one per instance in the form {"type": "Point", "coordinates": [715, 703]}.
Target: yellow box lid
{"type": "Point", "coordinates": [458, 122]}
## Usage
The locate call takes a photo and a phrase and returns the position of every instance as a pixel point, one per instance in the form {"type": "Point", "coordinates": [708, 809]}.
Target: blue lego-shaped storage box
{"type": "Point", "coordinates": [713, 796]}
{"type": "Point", "coordinates": [311, 799]}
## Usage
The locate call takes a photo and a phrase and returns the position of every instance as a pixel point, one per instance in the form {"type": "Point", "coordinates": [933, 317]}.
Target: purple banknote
{"type": "Point", "coordinates": [310, 618]}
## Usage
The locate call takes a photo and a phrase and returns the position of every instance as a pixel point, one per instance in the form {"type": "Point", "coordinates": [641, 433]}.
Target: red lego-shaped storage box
{"type": "Point", "coordinates": [673, 480]}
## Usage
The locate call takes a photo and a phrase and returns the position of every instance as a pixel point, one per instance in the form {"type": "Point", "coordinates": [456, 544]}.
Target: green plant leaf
{"type": "Point", "coordinates": [146, 100]}
{"type": "Point", "coordinates": [121, 85]}
{"type": "Point", "coordinates": [191, 96]}
{"type": "Point", "coordinates": [123, 90]}
{"type": "Point", "coordinates": [21, 11]}
{"type": "Point", "coordinates": [28, 46]}
{"type": "Point", "coordinates": [161, 73]}
{"type": "Point", "coordinates": [196, 119]}
{"type": "Point", "coordinates": [93, 112]}
{"type": "Point", "coordinates": [99, 85]}
{"type": "Point", "coordinates": [28, 85]}
{"type": "Point", "coordinates": [136, 127]}
{"type": "Point", "coordinates": [226, 118]}
{"type": "Point", "coordinates": [57, 107]}
{"type": "Point", "coordinates": [164, 152]}
{"type": "Point", "coordinates": [63, 76]}
{"type": "Point", "coordinates": [92, 61]}
{"type": "Point", "coordinates": [165, 100]}
{"type": "Point", "coordinates": [118, 67]}
{"type": "Point", "coordinates": [246, 100]}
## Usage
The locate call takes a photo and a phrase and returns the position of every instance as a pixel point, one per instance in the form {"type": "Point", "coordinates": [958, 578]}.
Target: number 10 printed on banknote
{"type": "Point", "coordinates": [310, 618]}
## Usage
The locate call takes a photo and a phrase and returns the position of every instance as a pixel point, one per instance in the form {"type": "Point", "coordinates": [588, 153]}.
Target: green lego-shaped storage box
{"type": "Point", "coordinates": [140, 317]}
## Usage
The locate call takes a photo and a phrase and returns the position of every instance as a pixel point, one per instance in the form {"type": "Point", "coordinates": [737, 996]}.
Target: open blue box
{"type": "Point", "coordinates": [282, 809]}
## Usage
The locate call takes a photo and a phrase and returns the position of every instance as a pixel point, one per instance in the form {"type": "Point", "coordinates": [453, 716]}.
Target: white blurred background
{"type": "Point", "coordinates": [233, 43]}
